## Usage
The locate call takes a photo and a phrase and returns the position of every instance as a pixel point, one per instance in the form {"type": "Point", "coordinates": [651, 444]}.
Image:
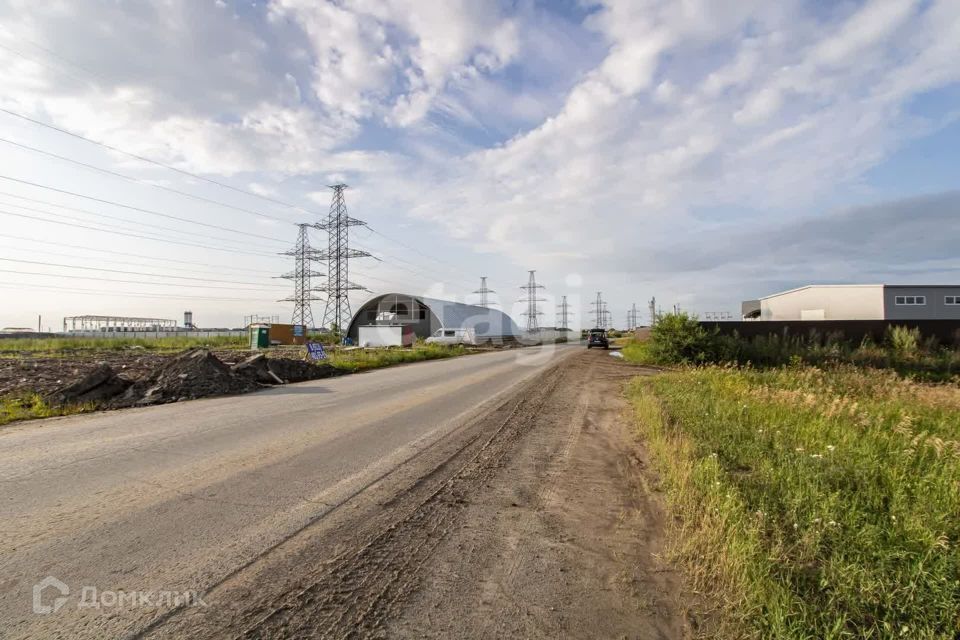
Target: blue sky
{"type": "Point", "coordinates": [701, 152]}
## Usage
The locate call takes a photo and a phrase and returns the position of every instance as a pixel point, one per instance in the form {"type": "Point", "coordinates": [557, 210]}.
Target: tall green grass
{"type": "Point", "coordinates": [30, 406]}
{"type": "Point", "coordinates": [680, 339]}
{"type": "Point", "coordinates": [12, 346]}
{"type": "Point", "coordinates": [812, 503]}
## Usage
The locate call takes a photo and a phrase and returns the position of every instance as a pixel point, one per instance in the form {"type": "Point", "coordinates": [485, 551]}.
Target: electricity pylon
{"type": "Point", "coordinates": [337, 313]}
{"type": "Point", "coordinates": [303, 292]}
{"type": "Point", "coordinates": [533, 323]}
{"type": "Point", "coordinates": [600, 312]}
{"type": "Point", "coordinates": [483, 291]}
{"type": "Point", "coordinates": [563, 315]}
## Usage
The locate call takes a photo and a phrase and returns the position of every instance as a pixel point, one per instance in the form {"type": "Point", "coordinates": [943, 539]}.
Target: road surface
{"type": "Point", "coordinates": [322, 509]}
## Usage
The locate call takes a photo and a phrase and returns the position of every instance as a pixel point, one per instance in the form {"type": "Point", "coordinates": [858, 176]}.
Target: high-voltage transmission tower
{"type": "Point", "coordinates": [483, 291]}
{"type": "Point", "coordinates": [632, 321]}
{"type": "Point", "coordinates": [599, 312]}
{"type": "Point", "coordinates": [337, 314]}
{"type": "Point", "coordinates": [533, 324]}
{"type": "Point", "coordinates": [303, 292]}
{"type": "Point", "coordinates": [563, 314]}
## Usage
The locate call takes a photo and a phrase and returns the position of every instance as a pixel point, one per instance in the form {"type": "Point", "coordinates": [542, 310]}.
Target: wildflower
{"type": "Point", "coordinates": [832, 523]}
{"type": "Point", "coordinates": [894, 518]}
{"type": "Point", "coordinates": [759, 430]}
{"type": "Point", "coordinates": [816, 521]}
{"type": "Point", "coordinates": [816, 456]}
{"type": "Point", "coordinates": [830, 447]}
{"type": "Point", "coordinates": [799, 449]}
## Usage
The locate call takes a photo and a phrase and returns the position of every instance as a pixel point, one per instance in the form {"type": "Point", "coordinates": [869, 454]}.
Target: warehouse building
{"type": "Point", "coordinates": [425, 316]}
{"type": "Point", "coordinates": [858, 302]}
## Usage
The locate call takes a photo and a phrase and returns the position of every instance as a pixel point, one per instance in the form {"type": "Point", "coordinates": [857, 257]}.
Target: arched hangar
{"type": "Point", "coordinates": [427, 315]}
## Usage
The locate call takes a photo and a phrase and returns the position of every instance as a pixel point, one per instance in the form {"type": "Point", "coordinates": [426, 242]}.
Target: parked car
{"type": "Point", "coordinates": [453, 336]}
{"type": "Point", "coordinates": [597, 338]}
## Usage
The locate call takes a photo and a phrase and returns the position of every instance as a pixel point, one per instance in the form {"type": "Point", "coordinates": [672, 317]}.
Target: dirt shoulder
{"type": "Point", "coordinates": [533, 520]}
{"type": "Point", "coordinates": [564, 542]}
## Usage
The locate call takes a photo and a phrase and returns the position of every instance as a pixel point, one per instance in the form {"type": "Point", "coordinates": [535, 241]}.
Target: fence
{"type": "Point", "coordinates": [152, 334]}
{"type": "Point", "coordinates": [946, 331]}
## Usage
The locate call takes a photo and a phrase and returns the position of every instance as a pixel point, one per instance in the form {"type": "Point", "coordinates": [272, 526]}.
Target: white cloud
{"type": "Point", "coordinates": [513, 131]}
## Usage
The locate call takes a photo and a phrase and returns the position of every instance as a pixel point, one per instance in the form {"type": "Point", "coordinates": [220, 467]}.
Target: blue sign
{"type": "Point", "coordinates": [298, 330]}
{"type": "Point", "coordinates": [315, 351]}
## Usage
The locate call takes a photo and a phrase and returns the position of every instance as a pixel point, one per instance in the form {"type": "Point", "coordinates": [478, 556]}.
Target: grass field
{"type": "Point", "coordinates": [812, 503]}
{"type": "Point", "coordinates": [66, 346]}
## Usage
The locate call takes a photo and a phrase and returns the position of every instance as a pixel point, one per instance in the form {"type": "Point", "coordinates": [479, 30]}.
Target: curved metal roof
{"type": "Point", "coordinates": [484, 321]}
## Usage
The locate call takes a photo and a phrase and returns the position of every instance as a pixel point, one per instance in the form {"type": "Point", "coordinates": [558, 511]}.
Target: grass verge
{"type": "Point", "coordinates": [812, 503]}
{"type": "Point", "coordinates": [355, 360]}
{"type": "Point", "coordinates": [69, 346]}
{"type": "Point", "coordinates": [32, 406]}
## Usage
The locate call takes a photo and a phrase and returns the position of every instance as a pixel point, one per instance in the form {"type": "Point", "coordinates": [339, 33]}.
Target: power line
{"type": "Point", "coordinates": [60, 254]}
{"type": "Point", "coordinates": [119, 219]}
{"type": "Point", "coordinates": [125, 294]}
{"type": "Point", "coordinates": [412, 248]}
{"type": "Point", "coordinates": [153, 162]}
{"type": "Point", "coordinates": [162, 284]}
{"type": "Point", "coordinates": [140, 181]}
{"type": "Point", "coordinates": [135, 235]}
{"type": "Point", "coordinates": [132, 255]}
{"type": "Point", "coordinates": [139, 209]}
{"type": "Point", "coordinates": [124, 271]}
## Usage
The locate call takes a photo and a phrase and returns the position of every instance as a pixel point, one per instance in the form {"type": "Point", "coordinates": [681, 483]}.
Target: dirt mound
{"type": "Point", "coordinates": [100, 384]}
{"type": "Point", "coordinates": [193, 374]}
{"type": "Point", "coordinates": [290, 370]}
{"type": "Point", "coordinates": [282, 370]}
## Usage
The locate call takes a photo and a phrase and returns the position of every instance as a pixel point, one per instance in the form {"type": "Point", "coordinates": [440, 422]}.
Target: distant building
{"type": "Point", "coordinates": [427, 315]}
{"type": "Point", "coordinates": [7, 330]}
{"type": "Point", "coordinates": [858, 302]}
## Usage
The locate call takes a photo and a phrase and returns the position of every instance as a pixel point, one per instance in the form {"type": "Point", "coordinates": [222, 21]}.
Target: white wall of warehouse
{"type": "Point", "coordinates": [835, 302]}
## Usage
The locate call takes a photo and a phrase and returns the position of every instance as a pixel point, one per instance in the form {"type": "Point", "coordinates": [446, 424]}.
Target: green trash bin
{"type": "Point", "coordinates": [259, 337]}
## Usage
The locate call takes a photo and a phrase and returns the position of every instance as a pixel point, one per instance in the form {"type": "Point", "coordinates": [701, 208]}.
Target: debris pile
{"type": "Point", "coordinates": [97, 386]}
{"type": "Point", "coordinates": [197, 373]}
{"type": "Point", "coordinates": [194, 374]}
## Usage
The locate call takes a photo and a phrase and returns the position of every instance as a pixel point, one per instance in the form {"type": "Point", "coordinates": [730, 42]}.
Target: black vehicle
{"type": "Point", "coordinates": [598, 338]}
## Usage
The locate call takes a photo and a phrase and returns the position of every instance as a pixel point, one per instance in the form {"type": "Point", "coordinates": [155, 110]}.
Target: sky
{"type": "Point", "coordinates": [700, 151]}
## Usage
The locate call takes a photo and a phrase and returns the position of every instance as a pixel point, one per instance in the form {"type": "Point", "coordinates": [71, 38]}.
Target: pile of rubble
{"type": "Point", "coordinates": [193, 374]}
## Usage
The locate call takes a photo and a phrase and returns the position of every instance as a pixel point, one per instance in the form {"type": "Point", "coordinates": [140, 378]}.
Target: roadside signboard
{"type": "Point", "coordinates": [315, 351]}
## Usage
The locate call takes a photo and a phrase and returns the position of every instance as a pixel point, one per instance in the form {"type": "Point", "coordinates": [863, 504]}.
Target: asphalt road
{"type": "Point", "coordinates": [144, 505]}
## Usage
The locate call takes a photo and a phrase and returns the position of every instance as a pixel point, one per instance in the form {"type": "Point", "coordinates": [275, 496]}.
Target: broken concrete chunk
{"type": "Point", "coordinates": [97, 386]}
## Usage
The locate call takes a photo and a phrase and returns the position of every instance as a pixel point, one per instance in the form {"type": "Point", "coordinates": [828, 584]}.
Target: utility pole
{"type": "Point", "coordinates": [337, 313]}
{"type": "Point", "coordinates": [483, 291]}
{"type": "Point", "coordinates": [533, 324]}
{"type": "Point", "coordinates": [564, 314]}
{"type": "Point", "coordinates": [303, 292]}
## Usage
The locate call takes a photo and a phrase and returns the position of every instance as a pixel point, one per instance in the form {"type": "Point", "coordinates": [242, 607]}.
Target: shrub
{"type": "Point", "coordinates": [903, 340]}
{"type": "Point", "coordinates": [679, 338]}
